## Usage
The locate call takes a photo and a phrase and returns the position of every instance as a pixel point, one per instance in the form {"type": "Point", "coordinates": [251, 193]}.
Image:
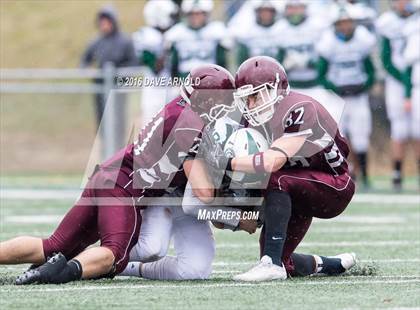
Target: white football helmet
{"type": "Point", "coordinates": [189, 6]}
{"type": "Point", "coordinates": [342, 12]}
{"type": "Point", "coordinates": [160, 13]}
{"type": "Point", "coordinates": [272, 4]}
{"type": "Point", "coordinates": [243, 142]}
{"type": "Point", "coordinates": [296, 2]}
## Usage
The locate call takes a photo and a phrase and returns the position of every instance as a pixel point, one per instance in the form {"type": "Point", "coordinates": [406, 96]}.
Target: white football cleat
{"type": "Point", "coordinates": [348, 260]}
{"type": "Point", "coordinates": [264, 271]}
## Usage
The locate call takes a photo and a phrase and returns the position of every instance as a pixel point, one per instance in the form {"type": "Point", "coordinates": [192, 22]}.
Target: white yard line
{"type": "Point", "coordinates": [387, 199]}
{"type": "Point", "coordinates": [204, 286]}
{"type": "Point", "coordinates": [250, 263]}
{"type": "Point", "coordinates": [365, 219]}
{"type": "Point", "coordinates": [392, 260]}
{"type": "Point", "coordinates": [30, 194]}
{"type": "Point", "coordinates": [331, 244]}
{"type": "Point", "coordinates": [33, 219]}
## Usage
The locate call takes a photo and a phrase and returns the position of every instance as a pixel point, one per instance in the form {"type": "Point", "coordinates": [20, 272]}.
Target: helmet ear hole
{"type": "Point", "coordinates": [211, 95]}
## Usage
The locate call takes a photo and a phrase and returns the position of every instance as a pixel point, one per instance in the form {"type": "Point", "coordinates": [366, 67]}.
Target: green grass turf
{"type": "Point", "coordinates": [388, 275]}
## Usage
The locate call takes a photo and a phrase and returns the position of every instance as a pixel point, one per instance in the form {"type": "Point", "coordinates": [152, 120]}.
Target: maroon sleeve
{"type": "Point", "coordinates": [188, 133]}
{"type": "Point", "coordinates": [300, 119]}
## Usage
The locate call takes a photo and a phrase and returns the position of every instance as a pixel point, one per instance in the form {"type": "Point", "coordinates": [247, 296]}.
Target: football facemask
{"type": "Point", "coordinates": [216, 112]}
{"type": "Point", "coordinates": [265, 96]}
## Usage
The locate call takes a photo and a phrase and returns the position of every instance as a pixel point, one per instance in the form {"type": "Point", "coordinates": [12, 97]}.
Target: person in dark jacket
{"type": "Point", "coordinates": [113, 46]}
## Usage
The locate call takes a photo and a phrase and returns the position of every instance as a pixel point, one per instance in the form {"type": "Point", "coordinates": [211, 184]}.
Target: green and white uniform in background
{"type": "Point", "coordinates": [190, 47]}
{"type": "Point", "coordinates": [149, 48]}
{"type": "Point", "coordinates": [299, 56]}
{"type": "Point", "coordinates": [253, 39]}
{"type": "Point", "coordinates": [345, 67]}
{"type": "Point", "coordinates": [148, 45]}
{"type": "Point", "coordinates": [389, 27]}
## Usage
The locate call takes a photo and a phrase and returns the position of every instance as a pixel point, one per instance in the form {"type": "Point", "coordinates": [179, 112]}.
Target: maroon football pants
{"type": "Point", "coordinates": [313, 194]}
{"type": "Point", "coordinates": [105, 214]}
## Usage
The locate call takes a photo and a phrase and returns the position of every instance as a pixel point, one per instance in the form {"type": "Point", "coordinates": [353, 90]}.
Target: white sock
{"type": "Point", "coordinates": [319, 263]}
{"type": "Point", "coordinates": [132, 270]}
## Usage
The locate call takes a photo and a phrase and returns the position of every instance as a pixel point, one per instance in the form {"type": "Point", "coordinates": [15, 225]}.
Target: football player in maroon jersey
{"type": "Point", "coordinates": [305, 169]}
{"type": "Point", "coordinates": [108, 210]}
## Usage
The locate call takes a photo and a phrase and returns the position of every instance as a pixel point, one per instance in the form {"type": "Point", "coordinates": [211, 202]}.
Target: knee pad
{"type": "Point", "coordinates": [150, 250]}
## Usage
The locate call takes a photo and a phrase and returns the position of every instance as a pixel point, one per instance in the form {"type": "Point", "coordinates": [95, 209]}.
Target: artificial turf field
{"type": "Point", "coordinates": [381, 227]}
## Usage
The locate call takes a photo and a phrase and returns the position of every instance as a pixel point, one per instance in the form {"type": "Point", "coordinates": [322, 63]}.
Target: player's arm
{"type": "Point", "coordinates": [370, 71]}
{"type": "Point", "coordinates": [271, 160]}
{"type": "Point", "coordinates": [221, 57]}
{"type": "Point", "coordinates": [174, 61]}
{"type": "Point", "coordinates": [292, 131]}
{"type": "Point", "coordinates": [386, 58]}
{"type": "Point", "coordinates": [202, 186]}
{"type": "Point", "coordinates": [322, 68]}
{"type": "Point", "coordinates": [242, 53]}
{"type": "Point", "coordinates": [149, 59]}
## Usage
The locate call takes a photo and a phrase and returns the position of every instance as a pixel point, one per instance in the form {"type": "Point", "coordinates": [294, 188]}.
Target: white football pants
{"type": "Point", "coordinates": [193, 242]}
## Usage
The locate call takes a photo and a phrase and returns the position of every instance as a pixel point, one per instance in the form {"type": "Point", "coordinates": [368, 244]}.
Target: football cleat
{"type": "Point", "coordinates": [265, 270]}
{"type": "Point", "coordinates": [348, 260]}
{"type": "Point", "coordinates": [335, 265]}
{"type": "Point", "coordinates": [43, 273]}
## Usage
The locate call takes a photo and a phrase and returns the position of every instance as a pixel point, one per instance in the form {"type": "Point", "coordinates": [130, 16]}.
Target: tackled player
{"type": "Point", "coordinates": [109, 208]}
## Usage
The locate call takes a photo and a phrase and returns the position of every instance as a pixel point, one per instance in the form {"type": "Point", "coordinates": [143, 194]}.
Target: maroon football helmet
{"type": "Point", "coordinates": [209, 90]}
{"type": "Point", "coordinates": [264, 79]}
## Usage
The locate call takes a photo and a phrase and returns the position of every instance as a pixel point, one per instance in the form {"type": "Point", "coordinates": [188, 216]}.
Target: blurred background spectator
{"type": "Point", "coordinates": [111, 46]}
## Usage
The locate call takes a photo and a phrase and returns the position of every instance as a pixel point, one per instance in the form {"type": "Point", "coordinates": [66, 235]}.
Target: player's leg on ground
{"type": "Point", "coordinates": [22, 250]}
{"type": "Point", "coordinates": [153, 243]}
{"type": "Point", "coordinates": [307, 264]}
{"type": "Point", "coordinates": [73, 234]}
{"type": "Point", "coordinates": [194, 248]}
{"type": "Point", "coordinates": [277, 212]}
{"type": "Point", "coordinates": [297, 227]}
{"type": "Point", "coordinates": [313, 194]}
{"type": "Point", "coordinates": [155, 234]}
{"type": "Point", "coordinates": [95, 261]}
{"type": "Point", "coordinates": [118, 227]}
{"type": "Point", "coordinates": [278, 209]}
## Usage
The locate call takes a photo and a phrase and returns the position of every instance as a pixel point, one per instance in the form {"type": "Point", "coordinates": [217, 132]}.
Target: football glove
{"type": "Point", "coordinates": [211, 151]}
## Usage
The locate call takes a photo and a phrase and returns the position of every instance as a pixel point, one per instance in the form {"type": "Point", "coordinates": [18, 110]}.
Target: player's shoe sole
{"type": "Point", "coordinates": [43, 273]}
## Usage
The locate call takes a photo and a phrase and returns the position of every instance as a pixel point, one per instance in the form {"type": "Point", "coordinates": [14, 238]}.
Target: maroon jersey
{"type": "Point", "coordinates": [325, 149]}
{"type": "Point", "coordinates": [154, 161]}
